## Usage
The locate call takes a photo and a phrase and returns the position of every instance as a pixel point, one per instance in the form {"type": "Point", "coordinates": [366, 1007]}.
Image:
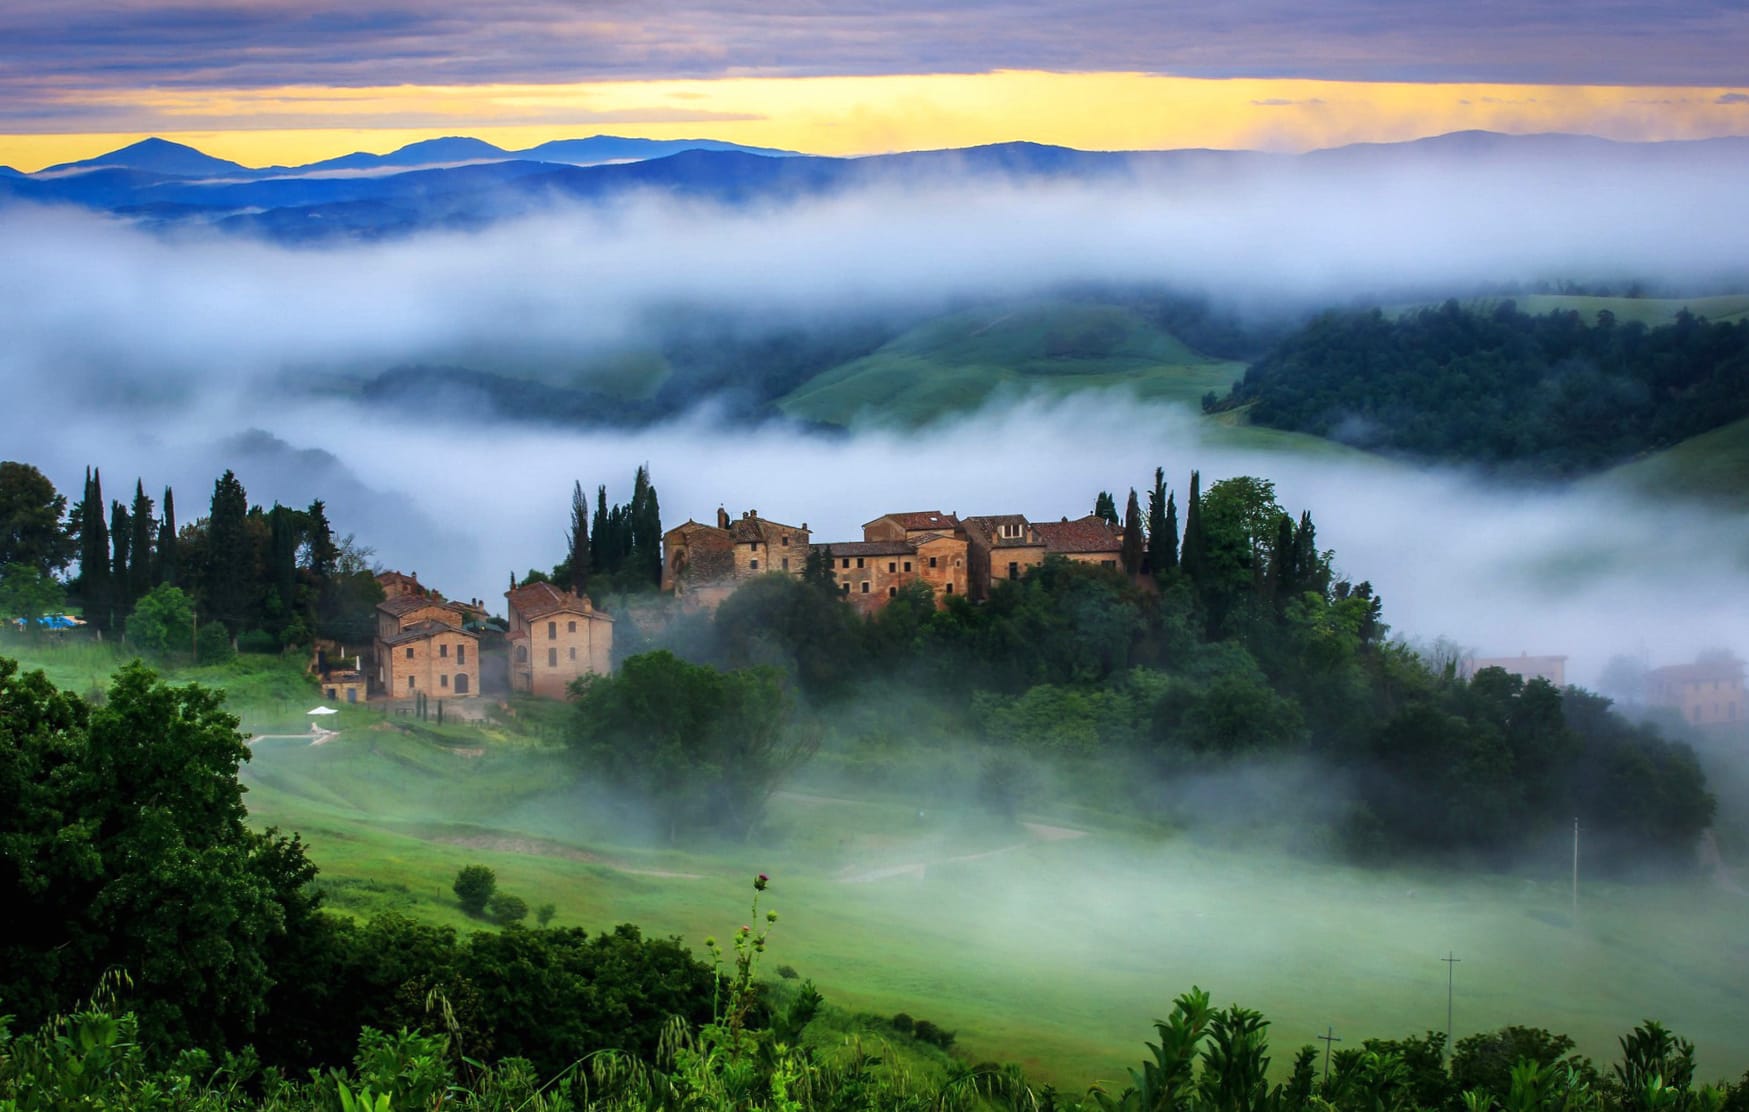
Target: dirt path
{"type": "Point", "coordinates": [1040, 832]}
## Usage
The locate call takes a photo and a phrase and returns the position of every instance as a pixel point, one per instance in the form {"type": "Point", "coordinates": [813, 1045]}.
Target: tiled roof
{"type": "Point", "coordinates": [536, 600]}
{"type": "Point", "coordinates": [761, 530]}
{"type": "Point", "coordinates": [989, 527]}
{"type": "Point", "coordinates": [920, 519]}
{"type": "Point", "coordinates": [1087, 534]}
{"type": "Point", "coordinates": [694, 532]}
{"type": "Point", "coordinates": [419, 631]}
{"type": "Point", "coordinates": [869, 548]}
{"type": "Point", "coordinates": [406, 604]}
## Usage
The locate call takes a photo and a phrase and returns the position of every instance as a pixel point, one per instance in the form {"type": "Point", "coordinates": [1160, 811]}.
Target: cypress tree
{"type": "Point", "coordinates": [598, 539]}
{"type": "Point", "coordinates": [282, 560]}
{"type": "Point", "coordinates": [1105, 506]}
{"type": "Point", "coordinates": [1132, 536]}
{"type": "Point", "coordinates": [324, 553]}
{"type": "Point", "coordinates": [1166, 556]}
{"type": "Point", "coordinates": [140, 549]}
{"type": "Point", "coordinates": [94, 552]}
{"type": "Point", "coordinates": [578, 539]}
{"type": "Point", "coordinates": [229, 562]}
{"type": "Point", "coordinates": [167, 569]}
{"type": "Point", "coordinates": [1190, 556]}
{"type": "Point", "coordinates": [121, 535]}
{"type": "Point", "coordinates": [1283, 576]}
{"type": "Point", "coordinates": [1158, 541]}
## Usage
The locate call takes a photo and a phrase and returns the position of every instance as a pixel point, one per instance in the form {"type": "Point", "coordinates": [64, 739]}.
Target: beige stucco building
{"type": "Point", "coordinates": [1708, 692]}
{"type": "Point", "coordinates": [555, 637]}
{"type": "Point", "coordinates": [421, 649]}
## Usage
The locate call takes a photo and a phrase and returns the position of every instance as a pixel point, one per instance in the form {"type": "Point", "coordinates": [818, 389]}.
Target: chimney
{"type": "Point", "coordinates": [722, 518]}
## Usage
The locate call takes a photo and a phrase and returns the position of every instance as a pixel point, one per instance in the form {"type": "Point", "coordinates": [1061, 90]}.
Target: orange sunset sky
{"type": "Point", "coordinates": [268, 81]}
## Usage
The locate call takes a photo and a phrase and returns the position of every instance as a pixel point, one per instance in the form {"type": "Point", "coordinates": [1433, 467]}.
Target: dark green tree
{"type": "Point", "coordinates": [1105, 506]}
{"type": "Point", "coordinates": [1162, 526]}
{"type": "Point", "coordinates": [94, 586]}
{"type": "Point", "coordinates": [1190, 555]}
{"type": "Point", "coordinates": [229, 580]}
{"type": "Point", "coordinates": [121, 535]}
{"type": "Point", "coordinates": [33, 526]}
{"type": "Point", "coordinates": [324, 554]}
{"type": "Point", "coordinates": [140, 547]}
{"type": "Point", "coordinates": [474, 887]}
{"type": "Point", "coordinates": [577, 541]}
{"type": "Point", "coordinates": [1134, 543]}
{"type": "Point", "coordinates": [168, 566]}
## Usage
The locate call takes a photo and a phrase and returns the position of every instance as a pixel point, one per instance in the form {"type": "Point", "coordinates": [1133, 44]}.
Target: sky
{"type": "Point", "coordinates": [265, 81]}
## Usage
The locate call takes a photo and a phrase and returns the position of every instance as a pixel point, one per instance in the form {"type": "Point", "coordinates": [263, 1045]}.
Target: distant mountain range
{"type": "Point", "coordinates": [465, 183]}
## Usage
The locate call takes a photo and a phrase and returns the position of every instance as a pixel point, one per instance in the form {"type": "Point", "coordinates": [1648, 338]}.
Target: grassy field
{"type": "Point", "coordinates": [1710, 466]}
{"type": "Point", "coordinates": [1051, 945]}
{"type": "Point", "coordinates": [956, 363]}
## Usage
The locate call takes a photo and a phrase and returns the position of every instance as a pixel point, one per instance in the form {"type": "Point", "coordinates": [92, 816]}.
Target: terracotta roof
{"type": "Point", "coordinates": [1087, 534]}
{"type": "Point", "coordinates": [419, 631]}
{"type": "Point", "coordinates": [537, 600]}
{"type": "Point", "coordinates": [919, 519]}
{"type": "Point", "coordinates": [406, 604]}
{"type": "Point", "coordinates": [989, 527]}
{"type": "Point", "coordinates": [691, 530]}
{"type": "Point", "coordinates": [753, 528]}
{"type": "Point", "coordinates": [869, 548]}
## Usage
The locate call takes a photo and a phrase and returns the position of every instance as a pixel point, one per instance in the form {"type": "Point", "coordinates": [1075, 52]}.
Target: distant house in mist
{"type": "Point", "coordinates": [422, 649]}
{"type": "Point", "coordinates": [896, 550]}
{"type": "Point", "coordinates": [1524, 666]}
{"type": "Point", "coordinates": [703, 564]}
{"type": "Point", "coordinates": [1708, 692]}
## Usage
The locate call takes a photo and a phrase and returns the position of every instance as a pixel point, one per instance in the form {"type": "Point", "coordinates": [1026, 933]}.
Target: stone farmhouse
{"type": "Point", "coordinates": [1708, 692]}
{"type": "Point", "coordinates": [422, 649]}
{"type": "Point", "coordinates": [703, 564]}
{"type": "Point", "coordinates": [555, 637]}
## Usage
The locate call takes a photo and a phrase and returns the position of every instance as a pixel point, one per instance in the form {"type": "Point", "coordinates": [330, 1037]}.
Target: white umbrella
{"type": "Point", "coordinates": [323, 710]}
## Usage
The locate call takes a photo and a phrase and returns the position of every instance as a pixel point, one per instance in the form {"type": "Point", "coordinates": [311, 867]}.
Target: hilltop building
{"type": "Point", "coordinates": [1708, 692]}
{"type": "Point", "coordinates": [421, 648]}
{"type": "Point", "coordinates": [555, 637]}
{"type": "Point", "coordinates": [1000, 546]}
{"type": "Point", "coordinates": [1524, 666]}
{"type": "Point", "coordinates": [1086, 540]}
{"type": "Point", "coordinates": [703, 564]}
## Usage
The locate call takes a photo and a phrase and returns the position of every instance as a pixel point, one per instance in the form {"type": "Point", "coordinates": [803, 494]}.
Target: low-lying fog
{"type": "Point", "coordinates": [167, 358]}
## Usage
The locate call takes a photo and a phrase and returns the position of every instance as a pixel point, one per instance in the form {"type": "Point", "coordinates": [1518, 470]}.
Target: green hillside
{"type": "Point", "coordinates": [958, 362]}
{"type": "Point", "coordinates": [1712, 466]}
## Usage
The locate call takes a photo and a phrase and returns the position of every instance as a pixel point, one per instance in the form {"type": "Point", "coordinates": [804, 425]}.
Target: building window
{"type": "Point", "coordinates": [892, 567]}
{"type": "Point", "coordinates": [932, 561]}
{"type": "Point", "coordinates": [844, 589]}
{"type": "Point", "coordinates": [552, 631]}
{"type": "Point", "coordinates": [956, 561]}
{"type": "Point", "coordinates": [846, 562]}
{"type": "Point", "coordinates": [753, 565]}
{"type": "Point", "coordinates": [907, 565]}
{"type": "Point", "coordinates": [1013, 571]}
{"type": "Point", "coordinates": [786, 563]}
{"type": "Point", "coordinates": [409, 652]}
{"type": "Point", "coordinates": [859, 561]}
{"type": "Point", "coordinates": [865, 586]}
{"type": "Point", "coordinates": [443, 651]}
{"type": "Point", "coordinates": [409, 683]}
{"type": "Point", "coordinates": [1011, 531]}
{"type": "Point", "coordinates": [461, 654]}
{"type": "Point", "coordinates": [573, 651]}
{"type": "Point", "coordinates": [784, 540]}
{"type": "Point", "coordinates": [443, 680]}
{"type": "Point", "coordinates": [892, 592]}
{"type": "Point", "coordinates": [522, 654]}
{"type": "Point", "coordinates": [950, 586]}
{"type": "Point", "coordinates": [552, 658]}
{"type": "Point", "coordinates": [570, 627]}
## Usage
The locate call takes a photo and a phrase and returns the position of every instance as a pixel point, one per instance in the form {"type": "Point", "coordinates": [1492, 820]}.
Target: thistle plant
{"type": "Point", "coordinates": [748, 944]}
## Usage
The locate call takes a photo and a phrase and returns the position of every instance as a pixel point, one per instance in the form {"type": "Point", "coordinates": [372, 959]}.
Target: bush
{"type": "Point", "coordinates": [508, 909]}
{"type": "Point", "coordinates": [544, 914]}
{"type": "Point", "coordinates": [474, 886]}
{"type": "Point", "coordinates": [212, 644]}
{"type": "Point", "coordinates": [928, 1032]}
{"type": "Point", "coordinates": [787, 972]}
{"type": "Point", "coordinates": [903, 1023]}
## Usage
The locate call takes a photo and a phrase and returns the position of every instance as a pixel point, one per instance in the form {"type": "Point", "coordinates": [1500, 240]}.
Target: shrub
{"type": "Point", "coordinates": [508, 909]}
{"type": "Point", "coordinates": [212, 644]}
{"type": "Point", "coordinates": [903, 1023]}
{"type": "Point", "coordinates": [928, 1032]}
{"type": "Point", "coordinates": [474, 886]}
{"type": "Point", "coordinates": [787, 972]}
{"type": "Point", "coordinates": [544, 914]}
{"type": "Point", "coordinates": [258, 641]}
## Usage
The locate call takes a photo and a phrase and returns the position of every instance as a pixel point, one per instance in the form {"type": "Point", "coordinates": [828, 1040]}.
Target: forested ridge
{"type": "Point", "coordinates": [1554, 394]}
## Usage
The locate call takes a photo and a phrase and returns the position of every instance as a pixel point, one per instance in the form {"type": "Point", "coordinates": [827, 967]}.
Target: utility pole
{"type": "Point", "coordinates": [1451, 959]}
{"type": "Point", "coordinates": [1329, 1036]}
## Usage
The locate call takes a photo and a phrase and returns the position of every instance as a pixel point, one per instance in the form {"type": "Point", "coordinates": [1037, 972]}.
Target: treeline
{"type": "Point", "coordinates": [259, 579]}
{"type": "Point", "coordinates": [1550, 394]}
{"type": "Point", "coordinates": [1238, 645]}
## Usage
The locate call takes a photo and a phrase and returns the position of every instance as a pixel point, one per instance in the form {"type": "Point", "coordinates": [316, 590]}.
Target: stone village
{"type": "Point", "coordinates": [428, 647]}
